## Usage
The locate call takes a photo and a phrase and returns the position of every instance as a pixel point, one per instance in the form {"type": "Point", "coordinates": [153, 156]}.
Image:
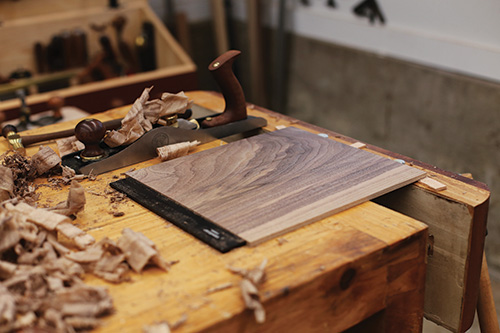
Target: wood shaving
{"type": "Point", "coordinates": [140, 251]}
{"type": "Point", "coordinates": [281, 241]}
{"type": "Point", "coordinates": [220, 287]}
{"type": "Point", "coordinates": [144, 114]}
{"type": "Point", "coordinates": [75, 202]}
{"type": "Point", "coordinates": [249, 289]}
{"type": "Point", "coordinates": [38, 287]}
{"type": "Point", "coordinates": [161, 327]}
{"type": "Point", "coordinates": [40, 217]}
{"type": "Point", "coordinates": [6, 183]}
{"type": "Point", "coordinates": [69, 145]}
{"type": "Point", "coordinates": [24, 173]}
{"type": "Point", "coordinates": [181, 321]}
{"type": "Point", "coordinates": [45, 159]}
{"type": "Point", "coordinates": [165, 327]}
{"type": "Point", "coordinates": [169, 152]}
{"type": "Point", "coordinates": [40, 279]}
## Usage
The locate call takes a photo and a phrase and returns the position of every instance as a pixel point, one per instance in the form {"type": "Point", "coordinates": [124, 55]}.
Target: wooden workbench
{"type": "Point", "coordinates": [364, 266]}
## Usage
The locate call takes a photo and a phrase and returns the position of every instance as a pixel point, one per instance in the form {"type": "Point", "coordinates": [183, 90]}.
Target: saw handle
{"type": "Point", "coordinates": [222, 71]}
{"type": "Point", "coordinates": [32, 139]}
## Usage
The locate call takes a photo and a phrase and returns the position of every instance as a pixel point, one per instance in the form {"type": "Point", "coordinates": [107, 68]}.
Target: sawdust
{"type": "Point", "coordinates": [24, 173]}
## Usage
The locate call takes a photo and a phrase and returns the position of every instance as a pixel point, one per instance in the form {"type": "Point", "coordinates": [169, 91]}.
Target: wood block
{"type": "Point", "coordinates": [266, 185]}
{"type": "Point", "coordinates": [432, 183]}
{"type": "Point", "coordinates": [358, 144]}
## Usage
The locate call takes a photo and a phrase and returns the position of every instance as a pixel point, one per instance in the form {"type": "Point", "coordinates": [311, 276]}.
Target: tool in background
{"type": "Point", "coordinates": [79, 44]}
{"type": "Point", "coordinates": [25, 122]}
{"type": "Point", "coordinates": [126, 53]}
{"type": "Point", "coordinates": [331, 4]}
{"type": "Point", "coordinates": [370, 9]}
{"type": "Point", "coordinates": [40, 57]}
{"type": "Point", "coordinates": [55, 54]}
{"type": "Point", "coordinates": [65, 50]}
{"type": "Point", "coordinates": [280, 60]}
{"type": "Point", "coordinates": [55, 103]}
{"type": "Point", "coordinates": [220, 26]}
{"type": "Point", "coordinates": [20, 73]}
{"type": "Point", "coordinates": [109, 56]}
{"type": "Point", "coordinates": [146, 48]}
{"type": "Point", "coordinates": [104, 65]}
{"type": "Point", "coordinates": [113, 4]}
{"type": "Point", "coordinates": [24, 111]}
{"type": "Point", "coordinates": [257, 64]}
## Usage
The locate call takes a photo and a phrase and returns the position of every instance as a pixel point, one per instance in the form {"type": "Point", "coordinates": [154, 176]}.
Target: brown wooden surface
{"type": "Point", "coordinates": [308, 286]}
{"type": "Point", "coordinates": [29, 21]}
{"type": "Point", "coordinates": [272, 183]}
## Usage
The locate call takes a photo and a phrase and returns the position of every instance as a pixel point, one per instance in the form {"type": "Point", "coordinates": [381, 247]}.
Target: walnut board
{"type": "Point", "coordinates": [266, 185]}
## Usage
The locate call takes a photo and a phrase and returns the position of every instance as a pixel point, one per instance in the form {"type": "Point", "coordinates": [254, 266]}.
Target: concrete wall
{"type": "Point", "coordinates": [449, 120]}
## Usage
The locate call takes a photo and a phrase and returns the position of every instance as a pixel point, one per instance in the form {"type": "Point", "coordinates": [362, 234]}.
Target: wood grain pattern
{"type": "Point", "coordinates": [266, 185]}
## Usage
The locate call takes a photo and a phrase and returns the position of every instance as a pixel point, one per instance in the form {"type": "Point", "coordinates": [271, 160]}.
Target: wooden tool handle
{"type": "Point", "coordinates": [222, 71]}
{"type": "Point", "coordinates": [91, 132]}
{"type": "Point", "coordinates": [32, 139]}
{"type": "Point", "coordinates": [7, 129]}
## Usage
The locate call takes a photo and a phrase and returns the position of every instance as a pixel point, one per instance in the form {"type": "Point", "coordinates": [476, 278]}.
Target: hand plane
{"type": "Point", "coordinates": [98, 158]}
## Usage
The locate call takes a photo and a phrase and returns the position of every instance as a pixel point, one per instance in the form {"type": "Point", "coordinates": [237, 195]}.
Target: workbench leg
{"type": "Point", "coordinates": [404, 311]}
{"type": "Point", "coordinates": [486, 312]}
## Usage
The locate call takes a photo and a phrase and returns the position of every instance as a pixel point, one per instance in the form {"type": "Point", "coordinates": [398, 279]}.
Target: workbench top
{"type": "Point", "coordinates": [366, 262]}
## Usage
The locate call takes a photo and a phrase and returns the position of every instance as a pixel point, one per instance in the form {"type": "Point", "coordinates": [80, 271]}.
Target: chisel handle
{"type": "Point", "coordinates": [32, 139]}
{"type": "Point", "coordinates": [236, 108]}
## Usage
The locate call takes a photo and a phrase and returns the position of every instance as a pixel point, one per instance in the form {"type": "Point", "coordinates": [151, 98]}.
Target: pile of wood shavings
{"type": "Point", "coordinates": [43, 256]}
{"type": "Point", "coordinates": [23, 172]}
{"type": "Point", "coordinates": [41, 282]}
{"type": "Point", "coordinates": [249, 289]}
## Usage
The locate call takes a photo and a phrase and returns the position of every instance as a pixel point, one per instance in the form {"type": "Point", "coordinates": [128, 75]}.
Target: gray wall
{"type": "Point", "coordinates": [448, 120]}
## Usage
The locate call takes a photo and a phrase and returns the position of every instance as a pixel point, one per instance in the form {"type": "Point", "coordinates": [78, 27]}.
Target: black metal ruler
{"type": "Point", "coordinates": [189, 221]}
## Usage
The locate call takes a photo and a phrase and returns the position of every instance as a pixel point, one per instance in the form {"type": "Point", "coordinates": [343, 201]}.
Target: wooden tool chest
{"type": "Point", "coordinates": [25, 23]}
